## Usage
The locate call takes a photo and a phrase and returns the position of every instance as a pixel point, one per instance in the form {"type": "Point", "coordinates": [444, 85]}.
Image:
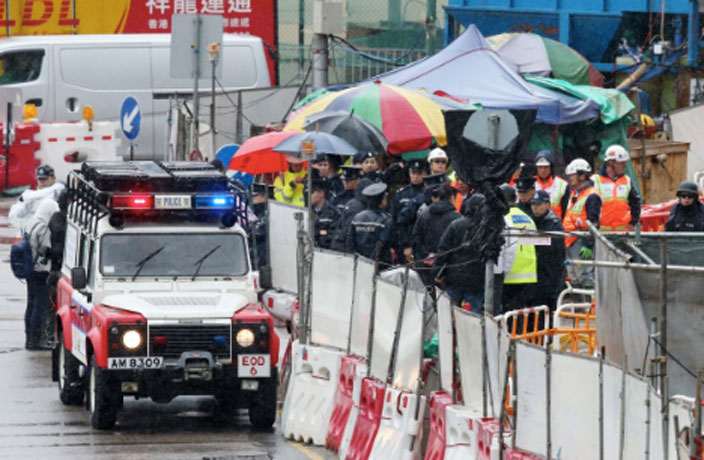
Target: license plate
{"type": "Point", "coordinates": [151, 362]}
{"type": "Point", "coordinates": [253, 366]}
{"type": "Point", "coordinates": [172, 201]}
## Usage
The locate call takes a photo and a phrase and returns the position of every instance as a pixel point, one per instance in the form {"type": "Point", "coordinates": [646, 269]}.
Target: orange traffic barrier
{"type": "Point", "coordinates": [531, 324]}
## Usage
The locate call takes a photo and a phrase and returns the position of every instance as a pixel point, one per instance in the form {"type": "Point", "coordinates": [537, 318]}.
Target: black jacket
{"type": "Point", "coordinates": [340, 200]}
{"type": "Point", "coordinates": [366, 229]}
{"type": "Point", "coordinates": [403, 212]}
{"type": "Point", "coordinates": [430, 226]}
{"type": "Point", "coordinates": [57, 227]}
{"type": "Point", "coordinates": [551, 259]}
{"type": "Point", "coordinates": [353, 207]}
{"type": "Point", "coordinates": [686, 219]}
{"type": "Point", "coordinates": [460, 269]}
{"type": "Point", "coordinates": [326, 221]}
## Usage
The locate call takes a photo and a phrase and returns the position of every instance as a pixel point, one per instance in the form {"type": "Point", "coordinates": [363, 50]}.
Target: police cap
{"type": "Point", "coordinates": [359, 157]}
{"type": "Point", "coordinates": [45, 172]}
{"type": "Point", "coordinates": [540, 197]}
{"type": "Point", "coordinates": [435, 179]}
{"type": "Point", "coordinates": [418, 165]}
{"type": "Point", "coordinates": [376, 189]}
{"type": "Point", "coordinates": [523, 184]}
{"type": "Point", "coordinates": [351, 172]}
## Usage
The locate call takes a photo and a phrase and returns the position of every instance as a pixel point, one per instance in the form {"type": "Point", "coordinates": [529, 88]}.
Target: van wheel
{"type": "Point", "coordinates": [71, 387]}
{"type": "Point", "coordinates": [101, 403]}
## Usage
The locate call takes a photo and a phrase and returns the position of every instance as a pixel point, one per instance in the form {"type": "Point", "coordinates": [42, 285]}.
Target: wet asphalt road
{"type": "Point", "coordinates": [34, 424]}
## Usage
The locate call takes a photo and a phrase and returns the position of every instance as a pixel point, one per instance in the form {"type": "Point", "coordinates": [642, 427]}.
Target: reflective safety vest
{"type": "Point", "coordinates": [576, 213]}
{"type": "Point", "coordinates": [458, 197]}
{"type": "Point", "coordinates": [285, 193]}
{"type": "Point", "coordinates": [524, 268]}
{"type": "Point", "coordinates": [556, 188]}
{"type": "Point", "coordinates": [615, 212]}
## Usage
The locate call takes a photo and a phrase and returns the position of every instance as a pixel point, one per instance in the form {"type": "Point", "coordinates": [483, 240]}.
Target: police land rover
{"type": "Point", "coordinates": [157, 298]}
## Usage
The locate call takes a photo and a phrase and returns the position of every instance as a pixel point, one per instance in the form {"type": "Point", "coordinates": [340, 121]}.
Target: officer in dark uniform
{"type": "Point", "coordinates": [371, 226]}
{"type": "Point", "coordinates": [525, 188]}
{"type": "Point", "coordinates": [405, 207]}
{"type": "Point", "coordinates": [260, 195]}
{"type": "Point", "coordinates": [327, 166]}
{"type": "Point", "coordinates": [369, 164]}
{"type": "Point", "coordinates": [688, 214]}
{"type": "Point", "coordinates": [350, 178]}
{"type": "Point", "coordinates": [326, 215]}
{"type": "Point", "coordinates": [352, 208]}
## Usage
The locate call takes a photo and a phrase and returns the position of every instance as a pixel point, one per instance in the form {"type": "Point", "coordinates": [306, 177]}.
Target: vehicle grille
{"type": "Point", "coordinates": [190, 338]}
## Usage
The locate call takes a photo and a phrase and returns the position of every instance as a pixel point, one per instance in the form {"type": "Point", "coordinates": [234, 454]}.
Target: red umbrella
{"type": "Point", "coordinates": [256, 156]}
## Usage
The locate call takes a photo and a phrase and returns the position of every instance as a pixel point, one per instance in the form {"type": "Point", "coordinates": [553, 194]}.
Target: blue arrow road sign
{"type": "Point", "coordinates": [130, 117]}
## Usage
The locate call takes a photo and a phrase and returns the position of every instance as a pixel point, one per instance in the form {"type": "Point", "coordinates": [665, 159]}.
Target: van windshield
{"type": "Point", "coordinates": [172, 255]}
{"type": "Point", "coordinates": [20, 66]}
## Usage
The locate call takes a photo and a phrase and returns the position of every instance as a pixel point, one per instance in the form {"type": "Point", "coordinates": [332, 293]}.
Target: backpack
{"type": "Point", "coordinates": [21, 260]}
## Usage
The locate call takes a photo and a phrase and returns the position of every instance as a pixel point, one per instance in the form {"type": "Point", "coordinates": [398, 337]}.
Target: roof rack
{"type": "Point", "coordinates": [155, 190]}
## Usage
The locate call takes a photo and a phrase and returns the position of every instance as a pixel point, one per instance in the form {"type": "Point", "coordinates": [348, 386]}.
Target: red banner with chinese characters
{"type": "Point", "coordinates": [44, 17]}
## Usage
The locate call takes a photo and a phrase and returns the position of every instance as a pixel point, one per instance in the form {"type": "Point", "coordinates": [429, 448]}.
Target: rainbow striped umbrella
{"type": "Point", "coordinates": [410, 120]}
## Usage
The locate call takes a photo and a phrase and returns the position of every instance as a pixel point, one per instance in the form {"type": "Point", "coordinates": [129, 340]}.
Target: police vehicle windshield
{"type": "Point", "coordinates": [123, 254]}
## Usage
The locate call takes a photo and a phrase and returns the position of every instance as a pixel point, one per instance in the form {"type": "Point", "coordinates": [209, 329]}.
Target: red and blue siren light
{"type": "Point", "coordinates": [214, 201]}
{"type": "Point", "coordinates": [133, 202]}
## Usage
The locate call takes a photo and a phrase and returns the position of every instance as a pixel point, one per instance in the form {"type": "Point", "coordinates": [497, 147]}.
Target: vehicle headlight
{"type": "Point", "coordinates": [245, 338]}
{"type": "Point", "coordinates": [131, 339]}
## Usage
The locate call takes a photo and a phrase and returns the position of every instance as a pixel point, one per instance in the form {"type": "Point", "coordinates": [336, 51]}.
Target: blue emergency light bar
{"type": "Point", "coordinates": [214, 201]}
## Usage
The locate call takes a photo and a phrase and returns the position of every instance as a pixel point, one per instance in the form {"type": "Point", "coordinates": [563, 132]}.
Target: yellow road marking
{"type": "Point", "coordinates": [305, 451]}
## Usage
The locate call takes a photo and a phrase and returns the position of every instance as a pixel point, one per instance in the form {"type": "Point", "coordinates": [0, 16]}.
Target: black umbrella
{"type": "Point", "coordinates": [352, 128]}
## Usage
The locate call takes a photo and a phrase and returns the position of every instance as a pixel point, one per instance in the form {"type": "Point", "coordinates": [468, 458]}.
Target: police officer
{"type": "Point", "coordinates": [430, 226]}
{"type": "Point", "coordinates": [288, 186]}
{"type": "Point", "coordinates": [327, 166]}
{"type": "Point", "coordinates": [369, 165]}
{"type": "Point", "coordinates": [371, 226]}
{"type": "Point", "coordinates": [260, 195]}
{"type": "Point", "coordinates": [551, 259]}
{"type": "Point", "coordinates": [405, 207]}
{"type": "Point", "coordinates": [353, 207]}
{"type": "Point", "coordinates": [525, 188]}
{"type": "Point", "coordinates": [326, 215]}
{"type": "Point", "coordinates": [688, 214]}
{"type": "Point", "coordinates": [350, 178]}
{"type": "Point", "coordinates": [518, 261]}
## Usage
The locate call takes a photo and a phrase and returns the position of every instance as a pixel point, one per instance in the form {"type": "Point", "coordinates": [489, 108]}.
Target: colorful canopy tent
{"type": "Point", "coordinates": [468, 68]}
{"type": "Point", "coordinates": [534, 54]}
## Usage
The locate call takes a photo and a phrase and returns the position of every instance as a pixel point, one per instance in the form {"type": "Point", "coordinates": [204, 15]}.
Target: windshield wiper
{"type": "Point", "coordinates": [200, 261]}
{"type": "Point", "coordinates": [141, 263]}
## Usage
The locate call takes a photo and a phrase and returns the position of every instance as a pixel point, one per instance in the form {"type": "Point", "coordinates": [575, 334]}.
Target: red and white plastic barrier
{"type": "Point", "coordinates": [311, 393]}
{"type": "Point", "coordinates": [488, 439]}
{"type": "Point", "coordinates": [400, 431]}
{"type": "Point", "coordinates": [371, 405]}
{"type": "Point", "coordinates": [511, 454]}
{"type": "Point", "coordinates": [343, 401]}
{"type": "Point", "coordinates": [462, 433]}
{"type": "Point", "coordinates": [360, 374]}
{"type": "Point", "coordinates": [65, 145]}
{"type": "Point", "coordinates": [437, 438]}
{"type": "Point", "coordinates": [22, 157]}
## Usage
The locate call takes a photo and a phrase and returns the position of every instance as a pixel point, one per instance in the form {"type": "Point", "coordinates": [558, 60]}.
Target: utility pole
{"type": "Point", "coordinates": [430, 29]}
{"type": "Point", "coordinates": [327, 20]}
{"type": "Point", "coordinates": [196, 77]}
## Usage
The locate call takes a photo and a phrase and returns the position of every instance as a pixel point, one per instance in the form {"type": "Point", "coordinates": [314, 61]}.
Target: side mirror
{"type": "Point", "coordinates": [78, 278]}
{"type": "Point", "coordinates": [265, 277]}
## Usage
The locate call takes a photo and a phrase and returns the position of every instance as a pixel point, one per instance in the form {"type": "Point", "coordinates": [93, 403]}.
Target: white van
{"type": "Point", "coordinates": [61, 74]}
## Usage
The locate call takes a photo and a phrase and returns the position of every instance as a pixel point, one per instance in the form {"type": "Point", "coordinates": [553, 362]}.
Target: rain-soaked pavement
{"type": "Point", "coordinates": [34, 424]}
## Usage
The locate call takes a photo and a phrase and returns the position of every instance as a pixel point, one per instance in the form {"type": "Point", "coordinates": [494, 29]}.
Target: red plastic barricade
{"type": "Point", "coordinates": [488, 430]}
{"type": "Point", "coordinates": [510, 454]}
{"type": "Point", "coordinates": [371, 404]}
{"type": "Point", "coordinates": [22, 161]}
{"type": "Point", "coordinates": [435, 450]}
{"type": "Point", "coordinates": [343, 402]}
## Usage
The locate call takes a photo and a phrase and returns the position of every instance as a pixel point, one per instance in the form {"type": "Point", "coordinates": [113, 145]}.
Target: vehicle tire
{"type": "Point", "coordinates": [102, 405]}
{"type": "Point", "coordinates": [262, 412]}
{"type": "Point", "coordinates": [71, 386]}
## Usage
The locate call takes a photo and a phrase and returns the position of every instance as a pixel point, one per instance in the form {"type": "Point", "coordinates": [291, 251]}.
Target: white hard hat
{"type": "Point", "coordinates": [437, 153]}
{"type": "Point", "coordinates": [616, 152]}
{"type": "Point", "coordinates": [577, 165]}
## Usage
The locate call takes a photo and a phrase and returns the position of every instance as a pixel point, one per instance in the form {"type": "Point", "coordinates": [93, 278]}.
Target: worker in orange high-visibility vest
{"type": "Point", "coordinates": [584, 205]}
{"type": "Point", "coordinates": [620, 209]}
{"type": "Point", "coordinates": [556, 186]}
